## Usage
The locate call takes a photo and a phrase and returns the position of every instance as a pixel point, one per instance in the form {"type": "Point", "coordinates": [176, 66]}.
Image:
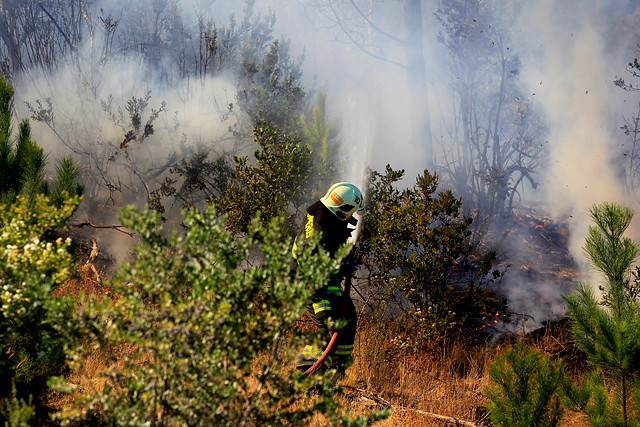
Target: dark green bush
{"type": "Point", "coordinates": [414, 247]}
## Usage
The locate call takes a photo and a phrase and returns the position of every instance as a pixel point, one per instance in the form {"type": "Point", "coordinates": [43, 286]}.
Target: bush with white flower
{"type": "Point", "coordinates": [35, 326]}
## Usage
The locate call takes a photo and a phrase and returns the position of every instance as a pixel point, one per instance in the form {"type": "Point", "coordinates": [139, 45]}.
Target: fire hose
{"type": "Point", "coordinates": [334, 337]}
{"type": "Point", "coordinates": [327, 352]}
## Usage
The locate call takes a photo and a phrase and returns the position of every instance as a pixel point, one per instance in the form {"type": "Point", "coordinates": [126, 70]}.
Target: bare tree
{"type": "Point", "coordinates": [357, 22]}
{"type": "Point", "coordinates": [631, 129]}
{"type": "Point", "coordinates": [37, 34]}
{"type": "Point", "coordinates": [495, 137]}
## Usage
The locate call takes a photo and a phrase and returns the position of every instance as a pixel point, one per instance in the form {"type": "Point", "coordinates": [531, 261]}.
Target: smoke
{"type": "Point", "coordinates": [368, 93]}
{"type": "Point", "coordinates": [572, 81]}
{"type": "Point", "coordinates": [83, 106]}
{"type": "Point", "coordinates": [575, 52]}
{"type": "Point", "coordinates": [570, 53]}
{"type": "Point", "coordinates": [195, 118]}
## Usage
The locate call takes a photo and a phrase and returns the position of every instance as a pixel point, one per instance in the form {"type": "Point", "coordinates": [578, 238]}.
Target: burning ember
{"type": "Point", "coordinates": [489, 319]}
{"type": "Point", "coordinates": [538, 269]}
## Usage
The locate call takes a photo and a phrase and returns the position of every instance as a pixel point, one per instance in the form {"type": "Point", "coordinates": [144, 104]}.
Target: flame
{"type": "Point", "coordinates": [489, 319]}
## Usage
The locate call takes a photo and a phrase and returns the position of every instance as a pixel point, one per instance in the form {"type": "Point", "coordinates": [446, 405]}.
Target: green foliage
{"type": "Point", "coordinates": [414, 247]}
{"type": "Point", "coordinates": [609, 252]}
{"type": "Point", "coordinates": [275, 186]}
{"type": "Point", "coordinates": [271, 90]}
{"type": "Point", "coordinates": [66, 183]}
{"type": "Point", "coordinates": [319, 132]}
{"type": "Point", "coordinates": [34, 325]}
{"type": "Point", "coordinates": [594, 396]}
{"type": "Point", "coordinates": [608, 331]}
{"type": "Point", "coordinates": [523, 388]}
{"type": "Point", "coordinates": [23, 166]}
{"type": "Point", "coordinates": [28, 165]}
{"type": "Point", "coordinates": [289, 171]}
{"type": "Point", "coordinates": [320, 135]}
{"type": "Point", "coordinates": [17, 411]}
{"type": "Point", "coordinates": [6, 106]}
{"type": "Point", "coordinates": [207, 322]}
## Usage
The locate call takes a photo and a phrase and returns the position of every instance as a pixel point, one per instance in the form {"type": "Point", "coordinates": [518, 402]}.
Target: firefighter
{"type": "Point", "coordinates": [332, 217]}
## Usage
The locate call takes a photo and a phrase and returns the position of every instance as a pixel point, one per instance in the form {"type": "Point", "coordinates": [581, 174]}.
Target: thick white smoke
{"type": "Point", "coordinates": [572, 79]}
{"type": "Point", "coordinates": [571, 56]}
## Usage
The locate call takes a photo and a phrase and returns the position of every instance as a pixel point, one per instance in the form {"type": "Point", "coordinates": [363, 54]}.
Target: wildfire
{"type": "Point", "coordinates": [489, 319]}
{"type": "Point", "coordinates": [543, 227]}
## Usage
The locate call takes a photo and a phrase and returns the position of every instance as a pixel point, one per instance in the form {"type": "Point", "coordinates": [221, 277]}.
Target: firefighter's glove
{"type": "Point", "coordinates": [331, 326]}
{"type": "Point", "coordinates": [335, 325]}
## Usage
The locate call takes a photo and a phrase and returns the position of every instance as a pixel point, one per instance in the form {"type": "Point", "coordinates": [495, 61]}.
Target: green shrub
{"type": "Point", "coordinates": [415, 250]}
{"type": "Point", "coordinates": [207, 317]}
{"type": "Point", "coordinates": [34, 325]}
{"type": "Point", "coordinates": [17, 411]}
{"type": "Point", "coordinates": [23, 161]}
{"type": "Point", "coordinates": [276, 185]}
{"type": "Point", "coordinates": [523, 388]}
{"type": "Point", "coordinates": [607, 329]}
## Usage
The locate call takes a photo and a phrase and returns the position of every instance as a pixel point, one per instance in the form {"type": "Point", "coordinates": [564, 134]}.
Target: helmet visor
{"type": "Point", "coordinates": [346, 208]}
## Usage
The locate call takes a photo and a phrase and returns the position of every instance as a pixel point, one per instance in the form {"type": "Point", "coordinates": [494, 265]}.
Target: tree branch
{"type": "Point", "coordinates": [88, 223]}
{"type": "Point", "coordinates": [360, 46]}
{"type": "Point", "coordinates": [374, 26]}
{"type": "Point", "coordinates": [57, 26]}
{"type": "Point", "coordinates": [450, 420]}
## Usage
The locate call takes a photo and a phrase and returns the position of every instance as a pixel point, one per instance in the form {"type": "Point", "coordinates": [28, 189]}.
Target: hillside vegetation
{"type": "Point", "coordinates": [196, 319]}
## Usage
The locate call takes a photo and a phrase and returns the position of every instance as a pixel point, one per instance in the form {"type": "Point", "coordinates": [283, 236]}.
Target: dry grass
{"type": "Point", "coordinates": [417, 385]}
{"type": "Point", "coordinates": [86, 376]}
{"type": "Point", "coordinates": [436, 388]}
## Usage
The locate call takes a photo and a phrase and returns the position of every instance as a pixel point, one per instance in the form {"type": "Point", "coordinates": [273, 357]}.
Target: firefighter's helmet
{"type": "Point", "coordinates": [343, 199]}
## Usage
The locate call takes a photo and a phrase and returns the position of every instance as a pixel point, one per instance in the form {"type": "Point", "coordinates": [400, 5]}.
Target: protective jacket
{"type": "Point", "coordinates": [329, 301]}
{"type": "Point", "coordinates": [335, 233]}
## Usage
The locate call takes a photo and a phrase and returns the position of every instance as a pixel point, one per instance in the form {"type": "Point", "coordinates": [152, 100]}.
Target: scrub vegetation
{"type": "Point", "coordinates": [200, 322]}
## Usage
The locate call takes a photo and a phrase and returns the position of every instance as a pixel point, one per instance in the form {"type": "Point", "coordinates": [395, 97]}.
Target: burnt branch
{"type": "Point", "coordinates": [88, 223]}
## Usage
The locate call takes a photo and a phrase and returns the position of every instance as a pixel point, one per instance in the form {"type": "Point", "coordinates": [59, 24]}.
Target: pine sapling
{"type": "Point", "coordinates": [607, 329]}
{"type": "Point", "coordinates": [523, 388]}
